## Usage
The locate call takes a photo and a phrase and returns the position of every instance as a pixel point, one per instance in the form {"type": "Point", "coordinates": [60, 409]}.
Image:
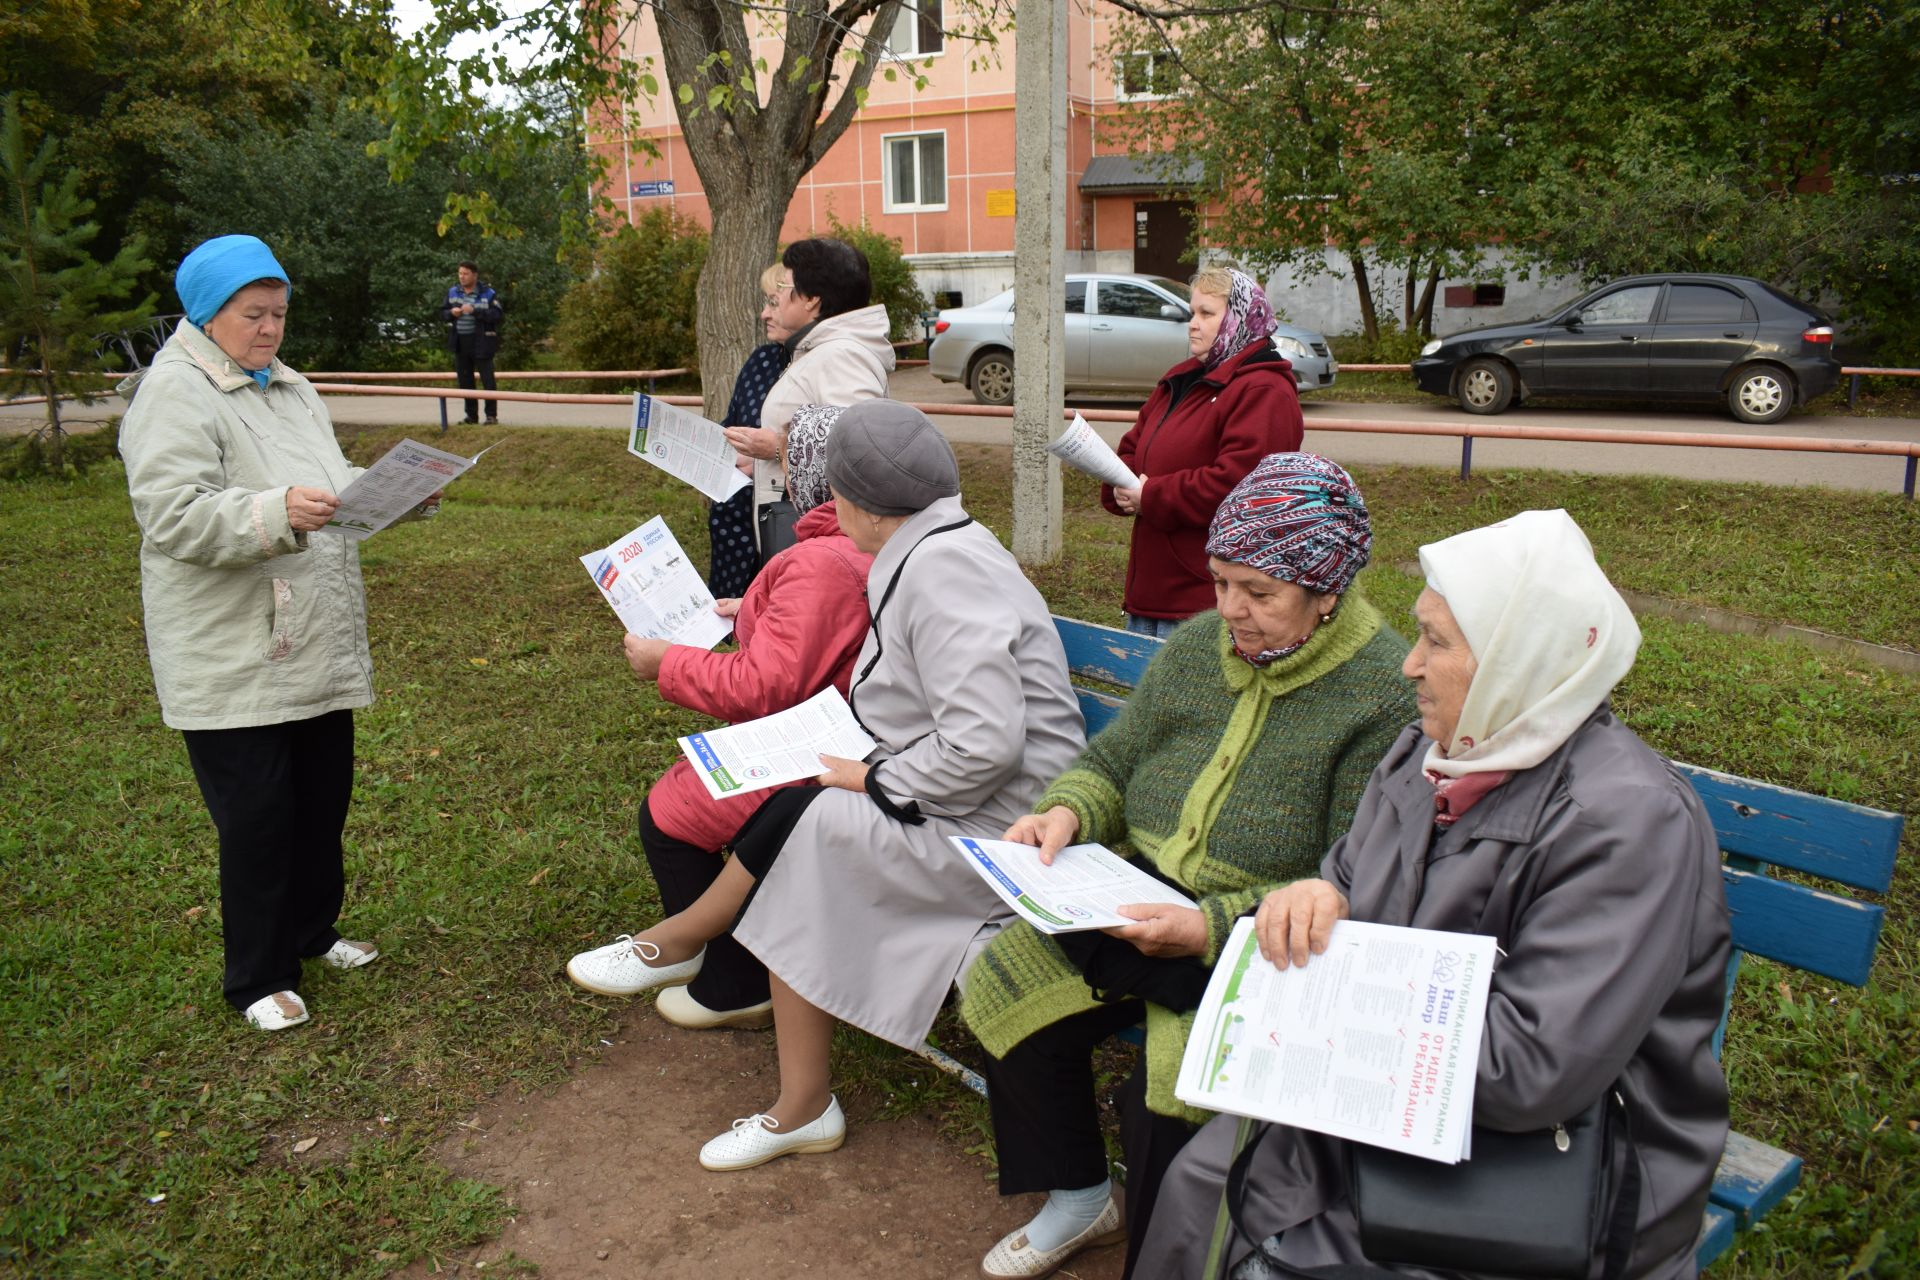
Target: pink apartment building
{"type": "Point", "coordinates": [934, 166]}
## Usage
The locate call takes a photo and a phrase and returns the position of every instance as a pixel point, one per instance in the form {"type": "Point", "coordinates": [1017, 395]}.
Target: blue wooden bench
{"type": "Point", "coordinates": [1761, 827]}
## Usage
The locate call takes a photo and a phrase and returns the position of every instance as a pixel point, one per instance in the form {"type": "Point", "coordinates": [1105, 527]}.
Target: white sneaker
{"type": "Point", "coordinates": [350, 955]}
{"type": "Point", "coordinates": [678, 1006]}
{"type": "Point", "coordinates": [621, 968]}
{"type": "Point", "coordinates": [1014, 1259]}
{"type": "Point", "coordinates": [753, 1141]}
{"type": "Point", "coordinates": [278, 1011]}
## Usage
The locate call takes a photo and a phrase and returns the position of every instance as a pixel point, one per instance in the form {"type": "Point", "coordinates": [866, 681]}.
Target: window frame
{"type": "Point", "coordinates": [910, 13]}
{"type": "Point", "coordinates": [1120, 93]}
{"type": "Point", "coordinates": [887, 203]}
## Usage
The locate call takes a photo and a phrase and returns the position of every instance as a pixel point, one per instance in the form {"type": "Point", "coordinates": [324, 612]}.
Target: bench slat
{"type": "Point", "coordinates": [1803, 927]}
{"type": "Point", "coordinates": [1097, 709]}
{"type": "Point", "coordinates": [1716, 1234]}
{"type": "Point", "coordinates": [1105, 653]}
{"type": "Point", "coordinates": [1846, 842]}
{"type": "Point", "coordinates": [1752, 1178]}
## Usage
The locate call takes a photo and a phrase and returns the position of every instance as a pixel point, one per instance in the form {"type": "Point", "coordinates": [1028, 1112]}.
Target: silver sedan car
{"type": "Point", "coordinates": [1123, 333]}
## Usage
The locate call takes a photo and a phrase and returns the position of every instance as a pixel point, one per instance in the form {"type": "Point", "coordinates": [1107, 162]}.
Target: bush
{"type": "Point", "coordinates": [894, 286]}
{"type": "Point", "coordinates": [1394, 345]}
{"type": "Point", "coordinates": [25, 456]}
{"type": "Point", "coordinates": [636, 311]}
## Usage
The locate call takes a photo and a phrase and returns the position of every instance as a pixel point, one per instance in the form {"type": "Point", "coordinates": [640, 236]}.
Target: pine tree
{"type": "Point", "coordinates": [53, 293]}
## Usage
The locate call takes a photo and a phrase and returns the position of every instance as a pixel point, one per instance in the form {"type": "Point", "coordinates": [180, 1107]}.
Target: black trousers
{"type": "Point", "coordinates": [730, 977]}
{"type": "Point", "coordinates": [278, 796]}
{"type": "Point", "coordinates": [466, 362]}
{"type": "Point", "coordinates": [1046, 1123]}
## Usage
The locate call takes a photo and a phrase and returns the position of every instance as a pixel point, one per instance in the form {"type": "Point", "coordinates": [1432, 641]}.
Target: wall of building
{"type": "Point", "coordinates": [1324, 299]}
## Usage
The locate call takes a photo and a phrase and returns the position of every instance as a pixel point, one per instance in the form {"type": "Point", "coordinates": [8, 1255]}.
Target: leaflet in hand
{"type": "Point", "coordinates": [405, 477]}
{"type": "Point", "coordinates": [1375, 1041]}
{"type": "Point", "coordinates": [685, 446]}
{"type": "Point", "coordinates": [783, 747]}
{"type": "Point", "coordinates": [1083, 889]}
{"type": "Point", "coordinates": [650, 584]}
{"type": "Point", "coordinates": [1081, 448]}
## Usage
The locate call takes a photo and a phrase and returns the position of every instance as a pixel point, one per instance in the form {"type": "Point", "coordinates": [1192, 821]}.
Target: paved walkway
{"type": "Point", "coordinates": [1841, 471]}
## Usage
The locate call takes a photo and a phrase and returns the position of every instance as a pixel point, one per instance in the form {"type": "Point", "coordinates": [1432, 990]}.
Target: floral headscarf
{"type": "Point", "coordinates": [1249, 319]}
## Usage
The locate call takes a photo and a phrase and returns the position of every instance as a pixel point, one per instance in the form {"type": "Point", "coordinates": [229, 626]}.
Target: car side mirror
{"type": "Point", "coordinates": [1168, 311]}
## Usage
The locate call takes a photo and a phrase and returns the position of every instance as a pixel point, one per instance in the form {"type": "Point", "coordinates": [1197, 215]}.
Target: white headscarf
{"type": "Point", "coordinates": [1551, 636]}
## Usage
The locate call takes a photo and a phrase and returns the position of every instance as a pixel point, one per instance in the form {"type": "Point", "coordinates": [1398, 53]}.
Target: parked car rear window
{"type": "Point", "coordinates": [1130, 300]}
{"type": "Point", "coordinates": [1622, 306]}
{"type": "Point", "coordinates": [1705, 304]}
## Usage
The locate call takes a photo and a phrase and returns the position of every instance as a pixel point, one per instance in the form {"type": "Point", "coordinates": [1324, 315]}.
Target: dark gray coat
{"type": "Point", "coordinates": [1599, 873]}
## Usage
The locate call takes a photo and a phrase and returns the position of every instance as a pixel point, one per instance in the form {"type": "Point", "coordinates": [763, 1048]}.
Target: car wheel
{"type": "Point", "coordinates": [1760, 393]}
{"type": "Point", "coordinates": [1485, 386]}
{"type": "Point", "coordinates": [991, 378]}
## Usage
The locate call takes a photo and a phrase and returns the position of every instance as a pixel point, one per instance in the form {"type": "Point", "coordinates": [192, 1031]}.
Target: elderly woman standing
{"type": "Point", "coordinates": [256, 620]}
{"type": "Point", "coordinates": [730, 530]}
{"type": "Point", "coordinates": [1211, 419]}
{"type": "Point", "coordinates": [839, 355]}
{"type": "Point", "coordinates": [1519, 807]}
{"type": "Point", "coordinates": [1237, 760]}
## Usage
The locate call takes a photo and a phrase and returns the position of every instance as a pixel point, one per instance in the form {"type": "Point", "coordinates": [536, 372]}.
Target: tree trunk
{"type": "Point", "coordinates": [1369, 318]}
{"type": "Point", "coordinates": [1408, 299]}
{"type": "Point", "coordinates": [746, 233]}
{"type": "Point", "coordinates": [53, 433]}
{"type": "Point", "coordinates": [1424, 316]}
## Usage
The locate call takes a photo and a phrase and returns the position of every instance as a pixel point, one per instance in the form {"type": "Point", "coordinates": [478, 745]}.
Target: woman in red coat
{"type": "Point", "coordinates": [1210, 421]}
{"type": "Point", "coordinates": [798, 628]}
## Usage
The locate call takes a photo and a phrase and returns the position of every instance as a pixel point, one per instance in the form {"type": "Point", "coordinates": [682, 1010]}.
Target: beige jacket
{"type": "Point", "coordinates": [248, 622]}
{"type": "Point", "coordinates": [841, 360]}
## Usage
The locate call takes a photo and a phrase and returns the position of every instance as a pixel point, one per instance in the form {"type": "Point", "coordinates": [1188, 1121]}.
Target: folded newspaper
{"type": "Point", "coordinates": [1375, 1041]}
{"type": "Point", "coordinates": [1083, 888]}
{"type": "Point", "coordinates": [655, 590]}
{"type": "Point", "coordinates": [1081, 448]}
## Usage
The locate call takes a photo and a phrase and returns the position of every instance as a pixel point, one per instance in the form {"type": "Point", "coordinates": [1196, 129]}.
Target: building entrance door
{"type": "Point", "coordinates": [1163, 239]}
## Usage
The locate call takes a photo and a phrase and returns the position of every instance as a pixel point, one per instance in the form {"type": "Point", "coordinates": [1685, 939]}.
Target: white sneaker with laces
{"type": "Point", "coordinates": [350, 955]}
{"type": "Point", "coordinates": [1014, 1259]}
{"type": "Point", "coordinates": [278, 1011]}
{"type": "Point", "coordinates": [623, 968]}
{"type": "Point", "coordinates": [754, 1141]}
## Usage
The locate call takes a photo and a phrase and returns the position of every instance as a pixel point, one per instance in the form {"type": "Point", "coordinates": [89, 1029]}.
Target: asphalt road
{"type": "Point", "coordinates": [1840, 471]}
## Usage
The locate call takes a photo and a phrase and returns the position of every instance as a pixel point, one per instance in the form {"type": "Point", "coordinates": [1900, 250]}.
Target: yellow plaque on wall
{"type": "Point", "coordinates": [1000, 204]}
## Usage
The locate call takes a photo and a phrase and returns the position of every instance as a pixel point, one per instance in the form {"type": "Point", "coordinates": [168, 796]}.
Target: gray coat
{"type": "Point", "coordinates": [248, 621]}
{"type": "Point", "coordinates": [1599, 873]}
{"type": "Point", "coordinates": [867, 917]}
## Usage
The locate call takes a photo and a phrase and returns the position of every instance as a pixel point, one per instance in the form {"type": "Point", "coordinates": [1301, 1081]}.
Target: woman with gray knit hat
{"type": "Point", "coordinates": [1238, 759]}
{"type": "Point", "coordinates": [856, 901]}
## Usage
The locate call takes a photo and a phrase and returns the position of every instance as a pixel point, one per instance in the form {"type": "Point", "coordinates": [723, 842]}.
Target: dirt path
{"type": "Point", "coordinates": [604, 1177]}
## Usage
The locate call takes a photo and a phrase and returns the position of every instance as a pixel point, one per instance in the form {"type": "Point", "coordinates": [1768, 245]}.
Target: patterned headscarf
{"type": "Point", "coordinates": [1297, 517]}
{"type": "Point", "coordinates": [1249, 319]}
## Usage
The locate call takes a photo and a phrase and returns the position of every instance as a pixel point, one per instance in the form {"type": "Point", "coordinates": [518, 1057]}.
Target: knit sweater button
{"type": "Point", "coordinates": [1193, 833]}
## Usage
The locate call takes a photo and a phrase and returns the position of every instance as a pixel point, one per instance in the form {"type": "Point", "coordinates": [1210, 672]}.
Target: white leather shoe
{"type": "Point", "coordinates": [678, 1006]}
{"type": "Point", "coordinates": [621, 968]}
{"type": "Point", "coordinates": [278, 1011]}
{"type": "Point", "coordinates": [350, 955]}
{"type": "Point", "coordinates": [754, 1140]}
{"type": "Point", "coordinates": [1014, 1259]}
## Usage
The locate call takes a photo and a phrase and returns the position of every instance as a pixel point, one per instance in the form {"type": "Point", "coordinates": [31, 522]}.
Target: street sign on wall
{"type": "Point", "coordinates": [641, 190]}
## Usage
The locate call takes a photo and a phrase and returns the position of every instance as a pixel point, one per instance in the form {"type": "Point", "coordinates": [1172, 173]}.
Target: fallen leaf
{"type": "Point", "coordinates": [157, 1199]}
{"type": "Point", "coordinates": [538, 876]}
{"type": "Point", "coordinates": [478, 662]}
{"type": "Point", "coordinates": [194, 913]}
{"type": "Point", "coordinates": [303, 1146]}
{"type": "Point", "coordinates": [432, 752]}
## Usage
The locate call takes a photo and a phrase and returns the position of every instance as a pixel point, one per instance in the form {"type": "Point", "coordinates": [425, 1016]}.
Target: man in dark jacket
{"type": "Point", "coordinates": [472, 312]}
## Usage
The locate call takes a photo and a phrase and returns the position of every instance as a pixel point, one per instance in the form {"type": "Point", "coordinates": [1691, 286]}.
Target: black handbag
{"type": "Point", "coordinates": [1540, 1205]}
{"type": "Point", "coordinates": [1530, 1204]}
{"type": "Point", "coordinates": [777, 519]}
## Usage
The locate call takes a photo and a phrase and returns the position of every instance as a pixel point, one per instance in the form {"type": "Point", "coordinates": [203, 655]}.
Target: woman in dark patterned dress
{"type": "Point", "coordinates": [736, 554]}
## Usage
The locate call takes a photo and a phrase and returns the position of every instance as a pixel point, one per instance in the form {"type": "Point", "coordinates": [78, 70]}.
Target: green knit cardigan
{"type": "Point", "coordinates": [1231, 780]}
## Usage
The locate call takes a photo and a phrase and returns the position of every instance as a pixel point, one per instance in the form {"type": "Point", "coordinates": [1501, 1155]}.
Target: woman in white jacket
{"type": "Point", "coordinates": [256, 618]}
{"type": "Point", "coordinates": [840, 356]}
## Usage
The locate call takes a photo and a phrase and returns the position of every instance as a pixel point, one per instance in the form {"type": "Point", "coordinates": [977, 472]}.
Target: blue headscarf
{"type": "Point", "coordinates": [220, 268]}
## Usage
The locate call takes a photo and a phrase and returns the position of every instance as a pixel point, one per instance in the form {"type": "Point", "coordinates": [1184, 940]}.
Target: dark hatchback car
{"type": "Point", "coordinates": [1668, 337]}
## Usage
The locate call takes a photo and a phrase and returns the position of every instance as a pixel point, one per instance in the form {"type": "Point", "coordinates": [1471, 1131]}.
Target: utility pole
{"type": "Point", "coordinates": [1039, 267]}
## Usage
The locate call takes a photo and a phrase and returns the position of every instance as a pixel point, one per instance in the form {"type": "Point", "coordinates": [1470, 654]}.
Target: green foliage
{"type": "Point", "coordinates": [636, 309]}
{"type": "Point", "coordinates": [22, 457]}
{"type": "Point", "coordinates": [370, 266]}
{"type": "Point", "coordinates": [1392, 345]}
{"type": "Point", "coordinates": [55, 297]}
{"type": "Point", "coordinates": [894, 286]}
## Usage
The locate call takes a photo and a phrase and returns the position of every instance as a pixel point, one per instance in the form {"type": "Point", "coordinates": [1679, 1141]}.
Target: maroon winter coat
{"type": "Point", "coordinates": [1199, 436]}
{"type": "Point", "coordinates": [799, 628]}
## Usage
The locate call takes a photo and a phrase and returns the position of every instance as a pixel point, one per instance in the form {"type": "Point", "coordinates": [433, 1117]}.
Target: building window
{"type": "Point", "coordinates": [1476, 295]}
{"type": "Point", "coordinates": [1144, 75]}
{"type": "Point", "coordinates": [915, 167]}
{"type": "Point", "coordinates": [916, 31]}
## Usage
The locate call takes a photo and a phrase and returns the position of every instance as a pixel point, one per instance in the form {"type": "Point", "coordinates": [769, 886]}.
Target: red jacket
{"type": "Point", "coordinates": [1193, 448]}
{"type": "Point", "coordinates": [799, 629]}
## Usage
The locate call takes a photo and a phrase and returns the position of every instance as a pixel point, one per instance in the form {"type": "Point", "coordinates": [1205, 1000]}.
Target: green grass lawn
{"type": "Point", "coordinates": [148, 1131]}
